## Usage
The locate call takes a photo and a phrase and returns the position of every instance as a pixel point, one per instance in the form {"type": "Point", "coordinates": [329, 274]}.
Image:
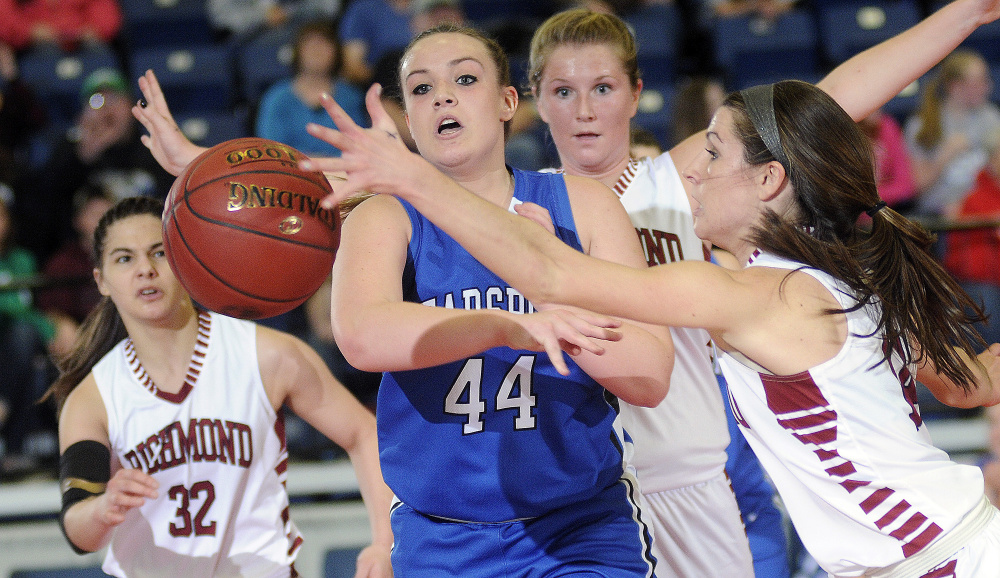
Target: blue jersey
{"type": "Point", "coordinates": [500, 436]}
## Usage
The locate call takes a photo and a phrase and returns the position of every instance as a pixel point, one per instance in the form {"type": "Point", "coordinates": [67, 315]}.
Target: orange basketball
{"type": "Point", "coordinates": [244, 231]}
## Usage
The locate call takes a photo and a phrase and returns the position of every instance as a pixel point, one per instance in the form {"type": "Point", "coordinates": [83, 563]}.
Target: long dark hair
{"type": "Point", "coordinates": [103, 328]}
{"type": "Point", "coordinates": [832, 171]}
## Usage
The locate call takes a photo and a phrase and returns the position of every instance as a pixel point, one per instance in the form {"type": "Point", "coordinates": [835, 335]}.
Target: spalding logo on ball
{"type": "Point", "coordinates": [244, 231]}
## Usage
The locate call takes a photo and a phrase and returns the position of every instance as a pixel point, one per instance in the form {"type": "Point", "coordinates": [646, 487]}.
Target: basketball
{"type": "Point", "coordinates": [244, 231]}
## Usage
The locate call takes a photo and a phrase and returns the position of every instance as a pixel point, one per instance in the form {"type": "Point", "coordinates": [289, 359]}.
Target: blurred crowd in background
{"type": "Point", "coordinates": [69, 146]}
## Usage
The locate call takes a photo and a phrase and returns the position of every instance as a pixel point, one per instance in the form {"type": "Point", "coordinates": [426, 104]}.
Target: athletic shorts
{"type": "Point", "coordinates": [698, 532]}
{"type": "Point", "coordinates": [980, 558]}
{"type": "Point", "coordinates": [603, 536]}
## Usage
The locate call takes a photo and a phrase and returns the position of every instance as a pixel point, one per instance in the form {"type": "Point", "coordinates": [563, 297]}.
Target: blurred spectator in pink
{"type": "Point", "coordinates": [893, 169]}
{"type": "Point", "coordinates": [66, 24]}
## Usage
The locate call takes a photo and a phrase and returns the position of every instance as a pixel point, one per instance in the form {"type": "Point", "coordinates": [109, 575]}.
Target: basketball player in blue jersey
{"type": "Point", "coordinates": [505, 461]}
{"type": "Point", "coordinates": [171, 430]}
{"type": "Point", "coordinates": [823, 329]}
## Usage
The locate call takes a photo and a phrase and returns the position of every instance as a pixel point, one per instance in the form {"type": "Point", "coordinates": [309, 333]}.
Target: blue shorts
{"type": "Point", "coordinates": [603, 536]}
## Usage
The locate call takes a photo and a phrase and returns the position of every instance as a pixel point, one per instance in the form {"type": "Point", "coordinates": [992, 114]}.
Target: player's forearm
{"type": "Point", "coordinates": [403, 336]}
{"type": "Point", "coordinates": [870, 79]}
{"type": "Point", "coordinates": [635, 369]}
{"type": "Point", "coordinates": [983, 393]}
{"type": "Point", "coordinates": [376, 495]}
{"type": "Point", "coordinates": [84, 527]}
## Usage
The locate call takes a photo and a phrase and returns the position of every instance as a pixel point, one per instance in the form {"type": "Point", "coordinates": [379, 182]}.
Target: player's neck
{"type": "Point", "coordinates": [165, 349]}
{"type": "Point", "coordinates": [495, 186]}
{"type": "Point", "coordinates": [607, 173]}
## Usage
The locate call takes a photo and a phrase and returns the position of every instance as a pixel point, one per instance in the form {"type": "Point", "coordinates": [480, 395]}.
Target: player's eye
{"type": "Point", "coordinates": [466, 79]}
{"type": "Point", "coordinates": [421, 89]}
{"type": "Point", "coordinates": [562, 92]}
{"type": "Point", "coordinates": [603, 89]}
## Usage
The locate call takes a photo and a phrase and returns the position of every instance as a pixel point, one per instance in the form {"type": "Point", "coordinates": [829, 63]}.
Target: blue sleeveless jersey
{"type": "Point", "coordinates": [502, 435]}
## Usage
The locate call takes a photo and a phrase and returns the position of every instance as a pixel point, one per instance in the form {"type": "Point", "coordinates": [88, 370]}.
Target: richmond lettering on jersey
{"type": "Point", "coordinates": [660, 247]}
{"type": "Point", "coordinates": [206, 440]}
{"type": "Point", "coordinates": [503, 298]}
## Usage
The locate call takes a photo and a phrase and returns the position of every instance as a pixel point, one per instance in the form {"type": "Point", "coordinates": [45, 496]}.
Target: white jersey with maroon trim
{"type": "Point", "coordinates": [846, 448]}
{"type": "Point", "coordinates": [682, 441]}
{"type": "Point", "coordinates": [217, 449]}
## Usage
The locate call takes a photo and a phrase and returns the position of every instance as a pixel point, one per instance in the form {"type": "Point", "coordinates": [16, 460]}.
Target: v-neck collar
{"type": "Point", "coordinates": [194, 368]}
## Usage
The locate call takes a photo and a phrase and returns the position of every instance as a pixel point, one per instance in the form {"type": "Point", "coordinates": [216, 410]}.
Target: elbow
{"type": "Point", "coordinates": [642, 392]}
{"type": "Point", "coordinates": [352, 342]}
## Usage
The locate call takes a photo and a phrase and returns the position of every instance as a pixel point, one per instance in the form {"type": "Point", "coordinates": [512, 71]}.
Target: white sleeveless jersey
{"type": "Point", "coordinates": [682, 441]}
{"type": "Point", "coordinates": [847, 450]}
{"type": "Point", "coordinates": [217, 450]}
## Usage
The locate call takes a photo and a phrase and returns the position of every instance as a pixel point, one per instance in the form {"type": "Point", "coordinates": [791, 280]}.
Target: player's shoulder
{"type": "Point", "coordinates": [588, 190]}
{"type": "Point", "coordinates": [84, 409]}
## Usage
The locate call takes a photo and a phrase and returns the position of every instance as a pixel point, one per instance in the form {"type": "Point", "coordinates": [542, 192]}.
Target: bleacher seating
{"type": "Point", "coordinates": [906, 102]}
{"type": "Point", "coordinates": [57, 77]}
{"type": "Point", "coordinates": [195, 79]}
{"type": "Point", "coordinates": [986, 41]}
{"type": "Point", "coordinates": [657, 29]}
{"type": "Point", "coordinates": [847, 28]}
{"type": "Point", "coordinates": [262, 61]}
{"type": "Point", "coordinates": [750, 50]}
{"type": "Point", "coordinates": [160, 23]}
{"type": "Point", "coordinates": [655, 111]}
{"type": "Point", "coordinates": [213, 127]}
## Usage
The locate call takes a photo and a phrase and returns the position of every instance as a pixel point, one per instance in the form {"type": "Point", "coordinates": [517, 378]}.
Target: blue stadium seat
{"type": "Point", "coordinates": [986, 41]}
{"type": "Point", "coordinates": [194, 79]}
{"type": "Point", "coordinates": [906, 102]}
{"type": "Point", "coordinates": [657, 29]}
{"type": "Point", "coordinates": [161, 23]}
{"type": "Point", "coordinates": [656, 105]}
{"type": "Point", "coordinates": [211, 128]}
{"type": "Point", "coordinates": [264, 60]}
{"type": "Point", "coordinates": [749, 49]}
{"type": "Point", "coordinates": [657, 68]}
{"type": "Point", "coordinates": [57, 77]}
{"type": "Point", "coordinates": [847, 28]}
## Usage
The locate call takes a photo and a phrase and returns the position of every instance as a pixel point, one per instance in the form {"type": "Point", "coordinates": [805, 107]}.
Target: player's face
{"type": "Point", "coordinates": [135, 273]}
{"type": "Point", "coordinates": [455, 106]}
{"type": "Point", "coordinates": [725, 201]}
{"type": "Point", "coordinates": [585, 97]}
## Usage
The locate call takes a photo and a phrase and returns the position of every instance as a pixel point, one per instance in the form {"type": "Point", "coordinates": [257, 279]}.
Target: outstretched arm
{"type": "Point", "coordinates": [870, 79]}
{"type": "Point", "coordinates": [538, 264]}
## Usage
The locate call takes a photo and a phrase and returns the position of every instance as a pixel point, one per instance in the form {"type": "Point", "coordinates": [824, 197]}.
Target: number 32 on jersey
{"type": "Point", "coordinates": [465, 396]}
